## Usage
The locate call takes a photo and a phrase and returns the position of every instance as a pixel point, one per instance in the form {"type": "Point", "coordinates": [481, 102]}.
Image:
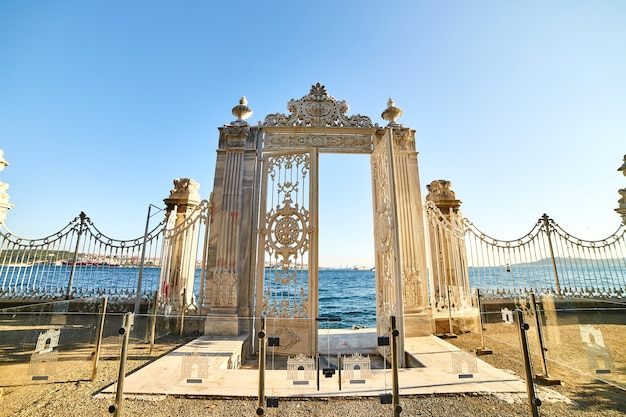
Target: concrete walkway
{"type": "Point", "coordinates": [200, 368]}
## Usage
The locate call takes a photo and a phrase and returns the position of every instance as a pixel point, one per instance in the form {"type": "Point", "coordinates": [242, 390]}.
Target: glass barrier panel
{"type": "Point", "coordinates": [47, 343]}
{"type": "Point", "coordinates": [340, 361]}
{"type": "Point", "coordinates": [586, 337]}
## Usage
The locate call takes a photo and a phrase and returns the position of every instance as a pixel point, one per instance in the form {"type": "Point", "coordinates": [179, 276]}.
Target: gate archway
{"type": "Point", "coordinates": [263, 252]}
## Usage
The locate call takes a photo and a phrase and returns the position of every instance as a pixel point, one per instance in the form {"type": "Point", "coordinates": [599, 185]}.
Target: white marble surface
{"type": "Point", "coordinates": [447, 370]}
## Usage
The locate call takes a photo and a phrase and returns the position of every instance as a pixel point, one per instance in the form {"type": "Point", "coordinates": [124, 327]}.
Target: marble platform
{"type": "Point", "coordinates": [445, 369]}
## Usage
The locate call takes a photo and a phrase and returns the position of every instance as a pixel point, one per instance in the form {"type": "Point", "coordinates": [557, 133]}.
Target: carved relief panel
{"type": "Point", "coordinates": [384, 239]}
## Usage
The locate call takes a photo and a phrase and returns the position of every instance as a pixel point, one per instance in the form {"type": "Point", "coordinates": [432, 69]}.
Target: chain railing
{"type": "Point", "coordinates": [547, 260]}
{"type": "Point", "coordinates": [79, 261]}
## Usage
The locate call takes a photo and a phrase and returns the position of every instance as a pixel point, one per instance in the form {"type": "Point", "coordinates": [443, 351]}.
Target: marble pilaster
{"type": "Point", "coordinates": [230, 269]}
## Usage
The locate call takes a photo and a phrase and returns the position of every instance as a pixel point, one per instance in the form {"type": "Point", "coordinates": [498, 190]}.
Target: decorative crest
{"type": "Point", "coordinates": [318, 109]}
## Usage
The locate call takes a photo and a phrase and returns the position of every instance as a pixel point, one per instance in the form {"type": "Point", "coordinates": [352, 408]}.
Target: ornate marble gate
{"type": "Point", "coordinates": [263, 242]}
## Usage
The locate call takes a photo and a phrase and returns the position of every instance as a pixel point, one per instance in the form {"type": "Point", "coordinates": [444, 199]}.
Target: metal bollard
{"type": "Point", "coordinates": [260, 410]}
{"type": "Point", "coordinates": [533, 401]}
{"type": "Point", "coordinates": [116, 409]}
{"type": "Point", "coordinates": [481, 311]}
{"type": "Point", "coordinates": [397, 409]}
{"type": "Point", "coordinates": [100, 330]}
{"type": "Point", "coordinates": [544, 377]}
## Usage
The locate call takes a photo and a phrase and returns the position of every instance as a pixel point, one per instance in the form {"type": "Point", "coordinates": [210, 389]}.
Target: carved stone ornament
{"type": "Point", "coordinates": [3, 162]}
{"type": "Point", "coordinates": [440, 193]}
{"type": "Point", "coordinates": [355, 143]}
{"type": "Point", "coordinates": [391, 113]}
{"type": "Point", "coordinates": [225, 289]}
{"type": "Point", "coordinates": [5, 206]}
{"type": "Point", "coordinates": [318, 109]}
{"type": "Point", "coordinates": [621, 210]}
{"type": "Point", "coordinates": [242, 111]}
{"type": "Point", "coordinates": [404, 139]}
{"type": "Point", "coordinates": [234, 136]}
{"type": "Point", "coordinates": [288, 338]}
{"type": "Point", "coordinates": [185, 188]}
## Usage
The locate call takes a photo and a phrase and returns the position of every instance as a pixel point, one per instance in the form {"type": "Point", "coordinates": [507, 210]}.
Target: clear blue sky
{"type": "Point", "coordinates": [521, 105]}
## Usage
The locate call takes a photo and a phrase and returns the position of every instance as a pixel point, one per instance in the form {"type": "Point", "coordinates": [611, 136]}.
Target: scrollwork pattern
{"type": "Point", "coordinates": [318, 109]}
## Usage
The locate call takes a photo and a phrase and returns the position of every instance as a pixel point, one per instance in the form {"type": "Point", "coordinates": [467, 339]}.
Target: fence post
{"type": "Point", "coordinates": [70, 281]}
{"type": "Point", "coordinates": [533, 401]}
{"type": "Point", "coordinates": [96, 354]}
{"type": "Point", "coordinates": [143, 260]}
{"type": "Point", "coordinates": [556, 273]}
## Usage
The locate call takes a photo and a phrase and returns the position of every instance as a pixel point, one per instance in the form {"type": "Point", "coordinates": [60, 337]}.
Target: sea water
{"type": "Point", "coordinates": [347, 295]}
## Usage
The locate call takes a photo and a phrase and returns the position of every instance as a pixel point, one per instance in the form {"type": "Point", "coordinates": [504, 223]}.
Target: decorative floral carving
{"type": "Point", "coordinates": [383, 231]}
{"type": "Point", "coordinates": [411, 287]}
{"type": "Point", "coordinates": [318, 109]}
{"type": "Point", "coordinates": [288, 338]}
{"type": "Point", "coordinates": [344, 142]}
{"type": "Point", "coordinates": [225, 289]}
{"type": "Point", "coordinates": [404, 139]}
{"type": "Point", "coordinates": [234, 136]}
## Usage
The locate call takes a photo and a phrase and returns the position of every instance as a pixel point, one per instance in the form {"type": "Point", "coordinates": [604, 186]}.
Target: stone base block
{"type": "Point", "coordinates": [222, 325]}
{"type": "Point", "coordinates": [417, 324]}
{"type": "Point", "coordinates": [462, 322]}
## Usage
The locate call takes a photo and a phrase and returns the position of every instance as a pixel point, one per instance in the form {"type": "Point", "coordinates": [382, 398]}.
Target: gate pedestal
{"type": "Point", "coordinates": [222, 324]}
{"type": "Point", "coordinates": [418, 324]}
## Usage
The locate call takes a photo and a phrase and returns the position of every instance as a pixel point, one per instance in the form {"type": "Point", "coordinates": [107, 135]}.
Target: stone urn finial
{"type": "Point", "coordinates": [3, 162]}
{"type": "Point", "coordinates": [4, 197]}
{"type": "Point", "coordinates": [242, 111]}
{"type": "Point", "coordinates": [621, 210]}
{"type": "Point", "coordinates": [391, 113]}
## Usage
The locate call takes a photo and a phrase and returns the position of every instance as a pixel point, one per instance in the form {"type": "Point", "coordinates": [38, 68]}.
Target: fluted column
{"type": "Point", "coordinates": [447, 250]}
{"type": "Point", "coordinates": [410, 225]}
{"type": "Point", "coordinates": [181, 244]}
{"type": "Point", "coordinates": [230, 272]}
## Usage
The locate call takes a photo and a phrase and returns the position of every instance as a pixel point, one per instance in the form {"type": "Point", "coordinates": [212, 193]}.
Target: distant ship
{"type": "Point", "coordinates": [362, 268]}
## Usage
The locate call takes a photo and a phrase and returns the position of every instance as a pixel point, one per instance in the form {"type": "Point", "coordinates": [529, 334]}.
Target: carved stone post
{"type": "Point", "coordinates": [230, 271]}
{"type": "Point", "coordinates": [410, 224]}
{"type": "Point", "coordinates": [5, 206]}
{"type": "Point", "coordinates": [450, 288]}
{"type": "Point", "coordinates": [181, 244]}
{"type": "Point", "coordinates": [622, 201]}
